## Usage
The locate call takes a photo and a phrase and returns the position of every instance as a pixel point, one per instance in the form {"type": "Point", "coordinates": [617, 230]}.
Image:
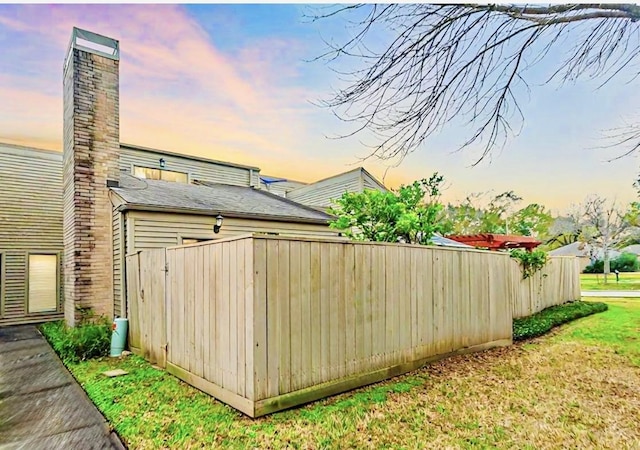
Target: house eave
{"type": "Point", "coordinates": [209, 212]}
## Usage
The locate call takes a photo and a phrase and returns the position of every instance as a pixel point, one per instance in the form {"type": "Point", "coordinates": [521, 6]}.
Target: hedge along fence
{"type": "Point", "coordinates": [264, 323]}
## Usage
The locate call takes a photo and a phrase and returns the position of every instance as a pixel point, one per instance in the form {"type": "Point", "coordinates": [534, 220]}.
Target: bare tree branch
{"type": "Point", "coordinates": [466, 64]}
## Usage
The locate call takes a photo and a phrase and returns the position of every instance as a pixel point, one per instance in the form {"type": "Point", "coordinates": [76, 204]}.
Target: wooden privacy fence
{"type": "Point", "coordinates": [264, 323]}
{"type": "Point", "coordinates": [558, 282]}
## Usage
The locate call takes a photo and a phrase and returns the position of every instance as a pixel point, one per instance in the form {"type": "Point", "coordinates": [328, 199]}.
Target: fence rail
{"type": "Point", "coordinates": [267, 322]}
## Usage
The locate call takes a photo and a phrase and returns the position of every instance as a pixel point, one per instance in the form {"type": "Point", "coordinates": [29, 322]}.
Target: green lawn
{"type": "Point", "coordinates": [578, 387]}
{"type": "Point", "coordinates": [629, 281]}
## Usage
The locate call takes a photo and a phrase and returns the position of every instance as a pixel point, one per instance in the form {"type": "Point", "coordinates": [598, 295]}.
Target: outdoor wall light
{"type": "Point", "coordinates": [162, 163]}
{"type": "Point", "coordinates": [218, 225]}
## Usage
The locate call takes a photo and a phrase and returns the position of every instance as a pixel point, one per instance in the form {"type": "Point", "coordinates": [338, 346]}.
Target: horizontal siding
{"type": "Point", "coordinates": [30, 221]}
{"type": "Point", "coordinates": [321, 195]}
{"type": "Point", "coordinates": [31, 199]}
{"type": "Point", "coordinates": [117, 264]}
{"type": "Point", "coordinates": [197, 170]}
{"type": "Point", "coordinates": [370, 184]}
{"type": "Point", "coordinates": [157, 230]}
{"type": "Point", "coordinates": [13, 306]}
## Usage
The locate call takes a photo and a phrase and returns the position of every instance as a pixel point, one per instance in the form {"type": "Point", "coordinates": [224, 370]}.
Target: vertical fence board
{"type": "Point", "coordinates": [325, 313]}
{"type": "Point", "coordinates": [231, 276]}
{"type": "Point", "coordinates": [306, 317]}
{"type": "Point", "coordinates": [295, 315]}
{"type": "Point", "coordinates": [260, 320]}
{"type": "Point", "coordinates": [239, 287]}
{"type": "Point", "coordinates": [362, 319]}
{"type": "Point", "coordinates": [315, 289]}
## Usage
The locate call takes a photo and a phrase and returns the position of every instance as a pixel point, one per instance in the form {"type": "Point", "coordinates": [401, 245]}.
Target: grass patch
{"type": "Point", "coordinates": [629, 281]}
{"type": "Point", "coordinates": [618, 329]}
{"type": "Point", "coordinates": [577, 388]}
{"type": "Point", "coordinates": [85, 341]}
{"type": "Point", "coordinates": [547, 319]}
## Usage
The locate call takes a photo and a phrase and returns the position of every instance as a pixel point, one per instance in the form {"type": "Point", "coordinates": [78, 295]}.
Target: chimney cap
{"type": "Point", "coordinates": [91, 42]}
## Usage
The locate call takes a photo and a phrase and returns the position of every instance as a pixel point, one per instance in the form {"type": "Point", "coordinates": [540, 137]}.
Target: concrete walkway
{"type": "Point", "coordinates": [41, 404]}
{"type": "Point", "coordinates": [610, 293]}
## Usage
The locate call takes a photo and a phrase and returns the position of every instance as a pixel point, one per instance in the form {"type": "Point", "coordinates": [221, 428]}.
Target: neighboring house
{"type": "Point", "coordinates": [320, 194]}
{"type": "Point", "coordinates": [635, 249]}
{"type": "Point", "coordinates": [442, 241]}
{"type": "Point", "coordinates": [584, 252]}
{"type": "Point", "coordinates": [582, 249]}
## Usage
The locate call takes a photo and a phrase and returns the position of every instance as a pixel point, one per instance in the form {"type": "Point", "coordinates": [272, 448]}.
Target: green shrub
{"type": "Point", "coordinates": [530, 261]}
{"type": "Point", "coordinates": [85, 341]}
{"type": "Point", "coordinates": [542, 322]}
{"type": "Point", "coordinates": [626, 262]}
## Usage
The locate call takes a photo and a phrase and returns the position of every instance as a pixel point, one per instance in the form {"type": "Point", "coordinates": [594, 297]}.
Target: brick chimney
{"type": "Point", "coordinates": [91, 160]}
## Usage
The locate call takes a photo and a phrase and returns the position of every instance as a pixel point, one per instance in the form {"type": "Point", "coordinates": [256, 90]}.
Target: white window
{"type": "Point", "coordinates": [43, 283]}
{"type": "Point", "coordinates": [160, 174]}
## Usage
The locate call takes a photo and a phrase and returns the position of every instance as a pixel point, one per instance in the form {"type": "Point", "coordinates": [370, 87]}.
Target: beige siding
{"type": "Point", "coordinates": [156, 230]}
{"type": "Point", "coordinates": [30, 221]}
{"type": "Point", "coordinates": [370, 183]}
{"type": "Point", "coordinates": [118, 254]}
{"type": "Point", "coordinates": [320, 194]}
{"type": "Point", "coordinates": [198, 169]}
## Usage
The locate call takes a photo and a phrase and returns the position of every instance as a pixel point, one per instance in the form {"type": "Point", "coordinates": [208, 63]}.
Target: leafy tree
{"type": "Point", "coordinates": [532, 220]}
{"type": "Point", "coordinates": [410, 214]}
{"type": "Point", "coordinates": [419, 67]}
{"type": "Point", "coordinates": [461, 219]}
{"type": "Point", "coordinates": [497, 217]}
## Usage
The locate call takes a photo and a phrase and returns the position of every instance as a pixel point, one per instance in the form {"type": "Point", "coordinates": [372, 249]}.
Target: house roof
{"type": "Point", "coordinates": [582, 249]}
{"type": "Point", "coordinates": [635, 249]}
{"type": "Point", "coordinates": [445, 242]}
{"type": "Point", "coordinates": [212, 199]}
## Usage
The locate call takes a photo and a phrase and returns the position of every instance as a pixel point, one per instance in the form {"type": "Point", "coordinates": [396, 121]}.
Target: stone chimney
{"type": "Point", "coordinates": [91, 165]}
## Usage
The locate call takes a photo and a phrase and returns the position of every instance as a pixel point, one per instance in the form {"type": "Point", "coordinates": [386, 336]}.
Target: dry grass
{"type": "Point", "coordinates": [576, 388]}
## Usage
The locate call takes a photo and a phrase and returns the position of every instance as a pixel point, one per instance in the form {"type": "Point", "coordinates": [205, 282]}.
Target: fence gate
{"type": "Point", "coordinates": [146, 283]}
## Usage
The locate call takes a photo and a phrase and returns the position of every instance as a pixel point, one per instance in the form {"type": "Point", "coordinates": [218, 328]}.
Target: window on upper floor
{"type": "Point", "coordinates": [160, 174]}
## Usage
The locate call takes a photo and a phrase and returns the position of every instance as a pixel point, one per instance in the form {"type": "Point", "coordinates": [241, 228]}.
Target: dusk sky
{"type": "Point", "coordinates": [235, 83]}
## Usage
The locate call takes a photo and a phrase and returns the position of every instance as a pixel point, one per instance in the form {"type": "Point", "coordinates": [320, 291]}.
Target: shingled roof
{"type": "Point", "coordinates": [212, 199]}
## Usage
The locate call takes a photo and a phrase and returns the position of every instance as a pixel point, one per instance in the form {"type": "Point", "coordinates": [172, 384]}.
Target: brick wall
{"type": "Point", "coordinates": [91, 153]}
